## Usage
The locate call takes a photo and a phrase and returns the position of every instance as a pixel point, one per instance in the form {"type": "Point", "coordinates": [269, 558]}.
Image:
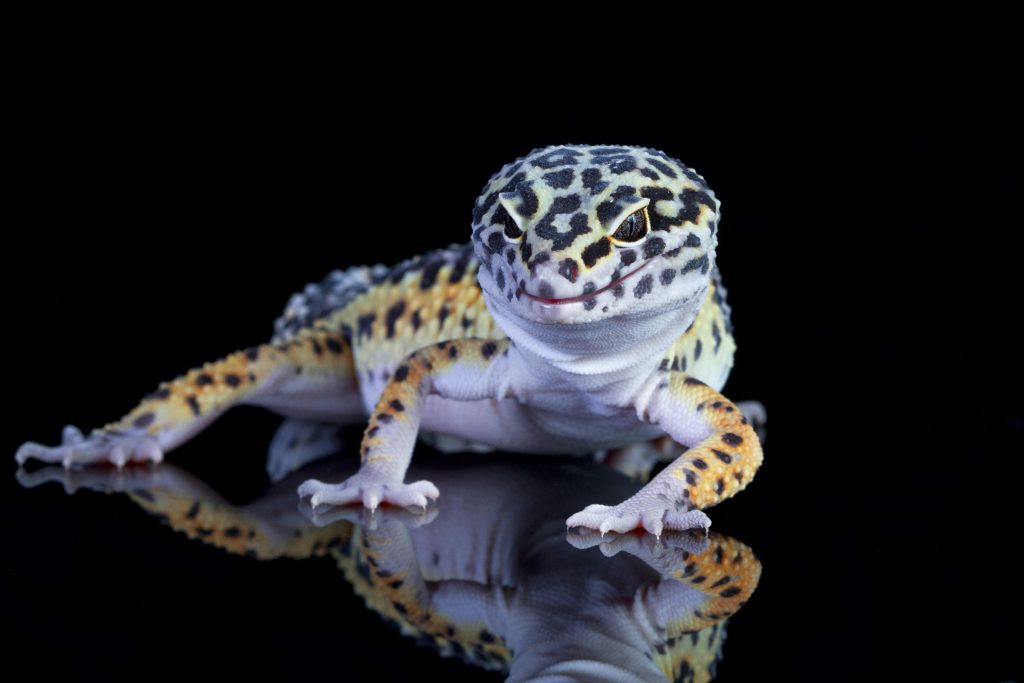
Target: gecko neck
{"type": "Point", "coordinates": [624, 345]}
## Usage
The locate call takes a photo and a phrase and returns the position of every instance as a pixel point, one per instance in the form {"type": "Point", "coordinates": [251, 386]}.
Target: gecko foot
{"type": "Point", "coordinates": [370, 491]}
{"type": "Point", "coordinates": [102, 446]}
{"type": "Point", "coordinates": [652, 514]}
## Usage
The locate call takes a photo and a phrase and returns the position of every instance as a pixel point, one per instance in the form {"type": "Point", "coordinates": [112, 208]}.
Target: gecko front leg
{"type": "Point", "coordinates": [724, 454]}
{"type": "Point", "coordinates": [463, 370]}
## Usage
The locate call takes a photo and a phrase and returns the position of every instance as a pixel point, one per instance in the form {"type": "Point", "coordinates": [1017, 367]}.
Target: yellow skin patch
{"type": "Point", "coordinates": [724, 463]}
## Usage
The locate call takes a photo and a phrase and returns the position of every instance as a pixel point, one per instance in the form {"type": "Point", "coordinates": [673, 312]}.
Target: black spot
{"type": "Point", "coordinates": [689, 569]}
{"type": "Point", "coordinates": [401, 373]}
{"type": "Point", "coordinates": [546, 229]}
{"type": "Point", "coordinates": [203, 532]}
{"type": "Point", "coordinates": [193, 511]}
{"type": "Point", "coordinates": [653, 247]}
{"type": "Point", "coordinates": [486, 636]}
{"type": "Point", "coordinates": [544, 289]}
{"type": "Point", "coordinates": [692, 241]}
{"type": "Point", "coordinates": [558, 157]}
{"type": "Point", "coordinates": [399, 607]}
{"type": "Point", "coordinates": [716, 335]}
{"type": "Point", "coordinates": [650, 173]}
{"type": "Point", "coordinates": [194, 405]}
{"type": "Point", "coordinates": [396, 584]}
{"type": "Point", "coordinates": [618, 291]}
{"type": "Point", "coordinates": [559, 179]}
{"type": "Point", "coordinates": [675, 363]}
{"type": "Point", "coordinates": [317, 349]}
{"type": "Point", "coordinates": [699, 579]}
{"type": "Point", "coordinates": [253, 353]}
{"type": "Point", "coordinates": [721, 455]}
{"type": "Point", "coordinates": [372, 431]}
{"type": "Point", "coordinates": [526, 249]}
{"type": "Point", "coordinates": [673, 253]}
{"type": "Point", "coordinates": [232, 532]}
{"type": "Point", "coordinates": [430, 271]}
{"type": "Point", "coordinates": [500, 279]}
{"type": "Point", "coordinates": [693, 381]}
{"type": "Point", "coordinates": [466, 322]}
{"type": "Point", "coordinates": [732, 439]}
{"type": "Point", "coordinates": [397, 406]}
{"type": "Point", "coordinates": [692, 201]}
{"type": "Point", "coordinates": [664, 364]}
{"type": "Point", "coordinates": [334, 346]}
{"type": "Point", "coordinates": [252, 377]}
{"type": "Point", "coordinates": [529, 204]}
{"type": "Point", "coordinates": [719, 554]}
{"type": "Point", "coordinates": [731, 591]}
{"type": "Point", "coordinates": [691, 477]}
{"type": "Point", "coordinates": [591, 177]}
{"type": "Point", "coordinates": [453, 352]}
{"type": "Point", "coordinates": [696, 350]}
{"type": "Point", "coordinates": [459, 268]}
{"type": "Point", "coordinates": [595, 251]}
{"type": "Point", "coordinates": [605, 151]}
{"type": "Point", "coordinates": [385, 418]}
{"type": "Point", "coordinates": [496, 241]}
{"type": "Point", "coordinates": [143, 421]}
{"type": "Point", "coordinates": [699, 464]}
{"type": "Point", "coordinates": [589, 304]}
{"type": "Point", "coordinates": [667, 276]}
{"type": "Point", "coordinates": [662, 166]}
{"type": "Point", "coordinates": [510, 255]}
{"type": "Point", "coordinates": [393, 314]}
{"type": "Point", "coordinates": [643, 287]}
{"type": "Point", "coordinates": [617, 163]}
{"type": "Point", "coordinates": [443, 314]}
{"type": "Point", "coordinates": [232, 379]}
{"type": "Point", "coordinates": [627, 256]}
{"type": "Point", "coordinates": [542, 257]}
{"type": "Point", "coordinates": [488, 349]}
{"type": "Point", "coordinates": [416, 320]}
{"type": "Point", "coordinates": [364, 325]}
{"type": "Point", "coordinates": [569, 269]}
{"type": "Point", "coordinates": [203, 379]}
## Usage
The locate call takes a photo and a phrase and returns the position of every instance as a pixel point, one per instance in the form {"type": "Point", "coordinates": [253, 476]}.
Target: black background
{"type": "Point", "coordinates": [166, 196]}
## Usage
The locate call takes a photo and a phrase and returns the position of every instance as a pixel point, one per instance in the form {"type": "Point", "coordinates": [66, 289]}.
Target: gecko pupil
{"type": "Point", "coordinates": [512, 230]}
{"type": "Point", "coordinates": [633, 228]}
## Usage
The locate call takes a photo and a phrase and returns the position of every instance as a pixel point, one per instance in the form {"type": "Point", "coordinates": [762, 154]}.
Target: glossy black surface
{"type": "Point", "coordinates": [165, 211]}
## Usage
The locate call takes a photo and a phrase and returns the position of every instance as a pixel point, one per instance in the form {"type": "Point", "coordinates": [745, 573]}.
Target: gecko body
{"type": "Point", "coordinates": [585, 315]}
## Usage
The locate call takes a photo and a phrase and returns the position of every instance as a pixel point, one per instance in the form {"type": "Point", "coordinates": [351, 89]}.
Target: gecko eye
{"type": "Point", "coordinates": [633, 228]}
{"type": "Point", "coordinates": [512, 230]}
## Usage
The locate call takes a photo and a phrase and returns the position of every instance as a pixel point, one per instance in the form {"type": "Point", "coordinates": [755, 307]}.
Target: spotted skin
{"type": "Point", "coordinates": [586, 314]}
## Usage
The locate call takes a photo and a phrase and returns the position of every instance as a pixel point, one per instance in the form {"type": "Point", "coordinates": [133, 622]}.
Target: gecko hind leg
{"type": "Point", "coordinates": [311, 376]}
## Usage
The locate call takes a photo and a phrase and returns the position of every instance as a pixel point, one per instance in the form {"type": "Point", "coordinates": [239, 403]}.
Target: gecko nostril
{"type": "Point", "coordinates": [569, 269]}
{"type": "Point", "coordinates": [545, 290]}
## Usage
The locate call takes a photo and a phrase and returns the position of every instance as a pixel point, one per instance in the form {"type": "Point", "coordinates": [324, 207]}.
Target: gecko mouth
{"type": "Point", "coordinates": [589, 295]}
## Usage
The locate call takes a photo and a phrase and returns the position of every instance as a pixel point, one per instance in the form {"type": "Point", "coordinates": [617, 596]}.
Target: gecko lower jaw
{"type": "Point", "coordinates": [588, 296]}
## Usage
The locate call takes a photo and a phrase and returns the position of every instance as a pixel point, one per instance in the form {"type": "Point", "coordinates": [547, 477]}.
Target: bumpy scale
{"type": "Point", "coordinates": [585, 315]}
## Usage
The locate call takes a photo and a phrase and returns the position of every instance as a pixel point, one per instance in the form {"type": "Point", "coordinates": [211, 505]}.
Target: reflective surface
{"type": "Point", "coordinates": [489, 577]}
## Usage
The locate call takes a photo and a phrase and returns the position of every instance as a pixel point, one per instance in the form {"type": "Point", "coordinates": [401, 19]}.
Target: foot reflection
{"type": "Point", "coordinates": [489, 574]}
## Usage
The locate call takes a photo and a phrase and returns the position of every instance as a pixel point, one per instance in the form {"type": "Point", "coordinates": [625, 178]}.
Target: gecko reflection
{"type": "Point", "coordinates": [487, 575]}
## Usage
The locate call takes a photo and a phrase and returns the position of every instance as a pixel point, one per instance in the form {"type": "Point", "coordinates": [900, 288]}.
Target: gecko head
{"type": "Point", "coordinates": [578, 234]}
